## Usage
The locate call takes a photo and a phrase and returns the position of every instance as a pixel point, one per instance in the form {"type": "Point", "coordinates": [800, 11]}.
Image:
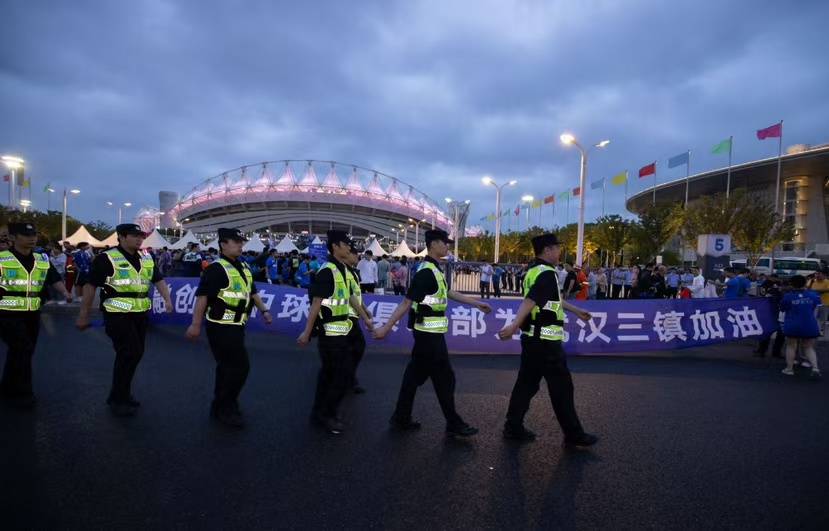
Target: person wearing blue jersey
{"type": "Point", "coordinates": [800, 324]}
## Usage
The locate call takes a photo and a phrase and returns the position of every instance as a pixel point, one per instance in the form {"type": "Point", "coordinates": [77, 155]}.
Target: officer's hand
{"type": "Point", "coordinates": [369, 325]}
{"type": "Point", "coordinates": [266, 315]}
{"type": "Point", "coordinates": [68, 297]}
{"type": "Point", "coordinates": [303, 339]}
{"type": "Point", "coordinates": [193, 331]}
{"type": "Point", "coordinates": [380, 333]}
{"type": "Point", "coordinates": [168, 308]}
{"type": "Point", "coordinates": [484, 307]}
{"type": "Point", "coordinates": [583, 315]}
{"type": "Point", "coordinates": [507, 332]}
{"type": "Point", "coordinates": [82, 323]}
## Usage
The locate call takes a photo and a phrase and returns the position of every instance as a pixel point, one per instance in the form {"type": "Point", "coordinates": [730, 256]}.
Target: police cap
{"type": "Point", "coordinates": [543, 241]}
{"type": "Point", "coordinates": [231, 234]}
{"type": "Point", "coordinates": [125, 229]}
{"type": "Point", "coordinates": [437, 235]}
{"type": "Point", "coordinates": [23, 229]}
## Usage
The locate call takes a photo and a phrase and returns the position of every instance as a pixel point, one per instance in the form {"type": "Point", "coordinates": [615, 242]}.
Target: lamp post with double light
{"type": "Point", "coordinates": [489, 181]}
{"type": "Point", "coordinates": [13, 164]}
{"type": "Point", "coordinates": [568, 139]}
{"type": "Point", "coordinates": [455, 206]}
{"type": "Point", "coordinates": [73, 191]}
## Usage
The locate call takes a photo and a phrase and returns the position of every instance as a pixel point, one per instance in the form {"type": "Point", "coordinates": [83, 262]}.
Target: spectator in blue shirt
{"type": "Point", "coordinates": [735, 287]}
{"type": "Point", "coordinates": [800, 324]}
{"type": "Point", "coordinates": [672, 284]}
{"type": "Point", "coordinates": [303, 274]}
{"type": "Point", "coordinates": [272, 267]}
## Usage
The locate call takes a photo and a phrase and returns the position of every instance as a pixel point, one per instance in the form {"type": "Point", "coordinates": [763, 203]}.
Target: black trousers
{"type": "Point", "coordinates": [544, 359]}
{"type": "Point", "coordinates": [430, 359]}
{"type": "Point", "coordinates": [335, 375]}
{"type": "Point", "coordinates": [484, 289]}
{"type": "Point", "coordinates": [127, 332]}
{"type": "Point", "coordinates": [496, 287]}
{"type": "Point", "coordinates": [19, 332]}
{"type": "Point", "coordinates": [227, 343]}
{"type": "Point", "coordinates": [615, 291]}
{"type": "Point", "coordinates": [779, 341]}
{"type": "Point", "coordinates": [357, 347]}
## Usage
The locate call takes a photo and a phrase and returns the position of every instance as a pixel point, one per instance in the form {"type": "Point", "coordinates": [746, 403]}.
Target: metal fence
{"type": "Point", "coordinates": [465, 277]}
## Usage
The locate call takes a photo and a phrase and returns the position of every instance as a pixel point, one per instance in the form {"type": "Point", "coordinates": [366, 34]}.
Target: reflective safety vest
{"type": "Point", "coordinates": [354, 286]}
{"type": "Point", "coordinates": [233, 301]}
{"type": "Point", "coordinates": [127, 290]}
{"type": "Point", "coordinates": [22, 288]}
{"type": "Point", "coordinates": [548, 322]}
{"type": "Point", "coordinates": [337, 322]}
{"type": "Point", "coordinates": [430, 313]}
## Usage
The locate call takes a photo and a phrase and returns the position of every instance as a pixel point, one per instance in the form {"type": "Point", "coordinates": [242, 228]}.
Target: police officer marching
{"type": "Point", "coordinates": [331, 296]}
{"type": "Point", "coordinates": [225, 296]}
{"type": "Point", "coordinates": [124, 275]}
{"type": "Point", "coordinates": [541, 321]}
{"type": "Point", "coordinates": [356, 339]}
{"type": "Point", "coordinates": [427, 297]}
{"type": "Point", "coordinates": [23, 277]}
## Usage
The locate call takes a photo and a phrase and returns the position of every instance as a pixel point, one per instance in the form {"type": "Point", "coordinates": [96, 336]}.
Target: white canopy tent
{"type": "Point", "coordinates": [185, 241]}
{"type": "Point", "coordinates": [403, 250]}
{"type": "Point", "coordinates": [111, 240]}
{"type": "Point", "coordinates": [422, 253]}
{"type": "Point", "coordinates": [286, 245]}
{"type": "Point", "coordinates": [254, 244]}
{"type": "Point", "coordinates": [155, 240]}
{"type": "Point", "coordinates": [317, 241]}
{"type": "Point", "coordinates": [82, 235]}
{"type": "Point", "coordinates": [212, 244]}
{"type": "Point", "coordinates": [376, 249]}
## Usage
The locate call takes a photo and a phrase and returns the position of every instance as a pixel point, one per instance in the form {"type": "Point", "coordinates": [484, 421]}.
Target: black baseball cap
{"type": "Point", "coordinates": [125, 229]}
{"type": "Point", "coordinates": [437, 234]}
{"type": "Point", "coordinates": [231, 234]}
{"type": "Point", "coordinates": [543, 241]}
{"type": "Point", "coordinates": [23, 229]}
{"type": "Point", "coordinates": [338, 236]}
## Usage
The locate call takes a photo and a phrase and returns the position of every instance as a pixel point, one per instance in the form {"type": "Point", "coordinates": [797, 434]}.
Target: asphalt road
{"type": "Point", "coordinates": [710, 439]}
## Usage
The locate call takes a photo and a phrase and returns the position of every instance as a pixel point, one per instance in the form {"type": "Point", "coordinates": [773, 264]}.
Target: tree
{"type": "Point", "coordinates": [99, 229]}
{"type": "Point", "coordinates": [760, 230]}
{"type": "Point", "coordinates": [656, 226]}
{"type": "Point", "coordinates": [610, 234]}
{"type": "Point", "coordinates": [714, 214]}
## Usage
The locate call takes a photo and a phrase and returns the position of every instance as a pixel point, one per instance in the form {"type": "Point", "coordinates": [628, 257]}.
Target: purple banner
{"type": "Point", "coordinates": [616, 326]}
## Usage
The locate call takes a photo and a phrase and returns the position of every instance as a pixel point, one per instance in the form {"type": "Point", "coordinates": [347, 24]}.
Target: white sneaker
{"type": "Point", "coordinates": [788, 372]}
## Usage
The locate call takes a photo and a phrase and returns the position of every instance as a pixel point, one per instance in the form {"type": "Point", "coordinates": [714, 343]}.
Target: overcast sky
{"type": "Point", "coordinates": [125, 98]}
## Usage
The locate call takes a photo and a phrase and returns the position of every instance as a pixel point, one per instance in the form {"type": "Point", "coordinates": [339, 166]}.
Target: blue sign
{"type": "Point", "coordinates": [615, 327]}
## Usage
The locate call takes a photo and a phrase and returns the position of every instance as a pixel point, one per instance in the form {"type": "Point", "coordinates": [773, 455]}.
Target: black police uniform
{"type": "Point", "coordinates": [430, 359]}
{"type": "Point", "coordinates": [19, 331]}
{"type": "Point", "coordinates": [227, 342]}
{"type": "Point", "coordinates": [544, 359]}
{"type": "Point", "coordinates": [337, 371]}
{"type": "Point", "coordinates": [127, 330]}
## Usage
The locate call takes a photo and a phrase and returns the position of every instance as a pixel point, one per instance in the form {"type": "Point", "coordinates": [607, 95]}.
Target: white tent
{"type": "Point", "coordinates": [82, 235]}
{"type": "Point", "coordinates": [184, 242]}
{"type": "Point", "coordinates": [422, 253]}
{"type": "Point", "coordinates": [403, 250]}
{"type": "Point", "coordinates": [254, 244]}
{"type": "Point", "coordinates": [286, 245]}
{"type": "Point", "coordinates": [155, 240]}
{"type": "Point", "coordinates": [317, 241]}
{"type": "Point", "coordinates": [214, 244]}
{"type": "Point", "coordinates": [111, 240]}
{"type": "Point", "coordinates": [376, 249]}
{"type": "Point", "coordinates": [303, 251]}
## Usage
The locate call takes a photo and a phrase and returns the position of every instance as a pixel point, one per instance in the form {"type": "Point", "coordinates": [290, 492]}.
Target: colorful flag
{"type": "Point", "coordinates": [772, 131]}
{"type": "Point", "coordinates": [722, 147]}
{"type": "Point", "coordinates": [47, 187]}
{"type": "Point", "coordinates": [537, 203]}
{"type": "Point", "coordinates": [490, 217]}
{"type": "Point", "coordinates": [595, 185]}
{"type": "Point", "coordinates": [564, 195]}
{"type": "Point", "coordinates": [650, 169]}
{"type": "Point", "coordinates": [678, 160]}
{"type": "Point", "coordinates": [26, 182]}
{"type": "Point", "coordinates": [576, 191]}
{"type": "Point", "coordinates": [620, 178]}
{"type": "Point", "coordinates": [7, 177]}
{"type": "Point", "coordinates": [517, 210]}
{"type": "Point", "coordinates": [549, 199]}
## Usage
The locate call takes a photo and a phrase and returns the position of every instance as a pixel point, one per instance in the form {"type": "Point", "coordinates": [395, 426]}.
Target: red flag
{"type": "Point", "coordinates": [774, 131]}
{"type": "Point", "coordinates": [517, 210]}
{"type": "Point", "coordinates": [549, 199]}
{"type": "Point", "coordinates": [576, 191]}
{"type": "Point", "coordinates": [7, 177]}
{"type": "Point", "coordinates": [650, 169]}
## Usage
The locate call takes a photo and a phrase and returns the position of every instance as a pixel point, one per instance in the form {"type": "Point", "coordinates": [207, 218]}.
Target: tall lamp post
{"type": "Point", "coordinates": [13, 164]}
{"type": "Point", "coordinates": [489, 181]}
{"type": "Point", "coordinates": [568, 139]}
{"type": "Point", "coordinates": [417, 230]}
{"type": "Point", "coordinates": [125, 206]}
{"type": "Point", "coordinates": [73, 191]}
{"type": "Point", "coordinates": [527, 198]}
{"type": "Point", "coordinates": [455, 206]}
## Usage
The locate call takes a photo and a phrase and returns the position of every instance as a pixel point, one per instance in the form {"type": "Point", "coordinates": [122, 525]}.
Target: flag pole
{"type": "Point", "coordinates": [567, 214]}
{"type": "Point", "coordinates": [728, 178]}
{"type": "Point", "coordinates": [654, 184]}
{"type": "Point", "coordinates": [604, 185]}
{"type": "Point", "coordinates": [779, 162]}
{"type": "Point", "coordinates": [687, 176]}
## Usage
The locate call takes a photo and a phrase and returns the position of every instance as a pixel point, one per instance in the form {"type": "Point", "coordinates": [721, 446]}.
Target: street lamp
{"type": "Point", "coordinates": [568, 139]}
{"type": "Point", "coordinates": [25, 203]}
{"type": "Point", "coordinates": [125, 206]}
{"type": "Point", "coordinates": [73, 191]}
{"type": "Point", "coordinates": [489, 181]}
{"type": "Point", "coordinates": [417, 230]}
{"type": "Point", "coordinates": [455, 205]}
{"type": "Point", "coordinates": [12, 163]}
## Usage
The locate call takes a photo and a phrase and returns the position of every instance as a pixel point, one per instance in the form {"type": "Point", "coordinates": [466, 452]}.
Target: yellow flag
{"type": "Point", "coordinates": [537, 203]}
{"type": "Point", "coordinates": [620, 178]}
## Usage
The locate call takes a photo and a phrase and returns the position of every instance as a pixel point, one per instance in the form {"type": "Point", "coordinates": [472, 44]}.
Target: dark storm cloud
{"type": "Point", "coordinates": [122, 99]}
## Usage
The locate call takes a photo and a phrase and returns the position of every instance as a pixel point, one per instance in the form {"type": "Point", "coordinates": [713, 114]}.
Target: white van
{"type": "Point", "coordinates": [786, 266]}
